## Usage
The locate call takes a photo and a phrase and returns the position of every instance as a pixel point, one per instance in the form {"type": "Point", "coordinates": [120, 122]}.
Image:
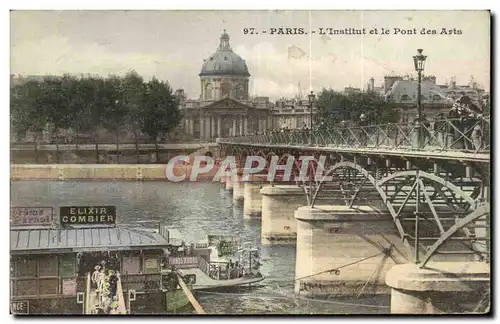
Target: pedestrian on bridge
{"type": "Point", "coordinates": [363, 132]}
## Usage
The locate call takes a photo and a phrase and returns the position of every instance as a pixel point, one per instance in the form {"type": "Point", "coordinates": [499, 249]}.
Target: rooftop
{"type": "Point", "coordinates": [34, 240]}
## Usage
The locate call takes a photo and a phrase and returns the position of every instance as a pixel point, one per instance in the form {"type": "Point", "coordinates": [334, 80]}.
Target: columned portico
{"type": "Point", "coordinates": [233, 129]}
{"type": "Point", "coordinates": [191, 126]}
{"type": "Point", "coordinates": [202, 127]}
{"type": "Point", "coordinates": [219, 127]}
{"type": "Point", "coordinates": [214, 127]}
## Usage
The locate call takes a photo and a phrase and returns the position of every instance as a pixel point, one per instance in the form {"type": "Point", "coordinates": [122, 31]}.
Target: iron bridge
{"type": "Point", "coordinates": [433, 180]}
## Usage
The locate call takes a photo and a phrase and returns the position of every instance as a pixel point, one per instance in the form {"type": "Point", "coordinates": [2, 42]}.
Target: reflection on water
{"type": "Point", "coordinates": [196, 209]}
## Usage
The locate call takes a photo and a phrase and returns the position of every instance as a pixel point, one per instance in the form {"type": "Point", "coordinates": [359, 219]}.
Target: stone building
{"type": "Point", "coordinates": [435, 98]}
{"type": "Point", "coordinates": [292, 113]}
{"type": "Point", "coordinates": [225, 107]}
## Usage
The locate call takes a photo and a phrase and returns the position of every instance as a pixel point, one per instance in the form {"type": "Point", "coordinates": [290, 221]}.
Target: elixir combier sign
{"type": "Point", "coordinates": [87, 215]}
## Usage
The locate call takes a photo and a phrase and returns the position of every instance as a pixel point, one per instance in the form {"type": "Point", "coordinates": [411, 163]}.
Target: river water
{"type": "Point", "coordinates": [198, 209]}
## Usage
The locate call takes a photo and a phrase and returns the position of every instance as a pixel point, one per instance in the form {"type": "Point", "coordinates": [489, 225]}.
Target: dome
{"type": "Point", "coordinates": [224, 61]}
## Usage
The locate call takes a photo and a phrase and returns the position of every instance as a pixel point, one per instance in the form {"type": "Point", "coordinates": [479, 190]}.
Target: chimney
{"type": "Point", "coordinates": [372, 84]}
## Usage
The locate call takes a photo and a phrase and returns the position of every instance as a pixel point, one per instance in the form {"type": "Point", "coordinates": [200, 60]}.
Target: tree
{"type": "Point", "coordinates": [84, 110]}
{"type": "Point", "coordinates": [160, 113]}
{"type": "Point", "coordinates": [133, 90]}
{"type": "Point", "coordinates": [114, 109]}
{"type": "Point", "coordinates": [28, 114]}
{"type": "Point", "coordinates": [55, 97]}
{"type": "Point", "coordinates": [336, 106]}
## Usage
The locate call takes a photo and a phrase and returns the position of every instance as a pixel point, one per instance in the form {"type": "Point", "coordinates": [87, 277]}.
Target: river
{"type": "Point", "coordinates": [198, 209]}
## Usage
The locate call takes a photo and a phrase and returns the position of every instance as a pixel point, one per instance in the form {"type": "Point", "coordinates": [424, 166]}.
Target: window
{"type": "Point", "coordinates": [66, 267]}
{"type": "Point", "coordinates": [225, 88]}
{"type": "Point", "coordinates": [26, 267]}
{"type": "Point", "coordinates": [237, 92]}
{"type": "Point", "coordinates": [151, 264]}
{"type": "Point", "coordinates": [49, 286]}
{"type": "Point", "coordinates": [47, 266]}
{"type": "Point", "coordinates": [436, 97]}
{"type": "Point", "coordinates": [405, 97]}
{"type": "Point", "coordinates": [26, 287]}
{"type": "Point", "coordinates": [208, 92]}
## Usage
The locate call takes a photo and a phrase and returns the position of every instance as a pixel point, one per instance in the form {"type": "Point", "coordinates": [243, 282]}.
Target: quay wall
{"type": "Point", "coordinates": [128, 172]}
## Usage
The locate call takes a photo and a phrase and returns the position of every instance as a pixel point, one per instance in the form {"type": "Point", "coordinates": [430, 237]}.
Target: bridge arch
{"type": "Point", "coordinates": [449, 200]}
{"type": "Point", "coordinates": [479, 212]}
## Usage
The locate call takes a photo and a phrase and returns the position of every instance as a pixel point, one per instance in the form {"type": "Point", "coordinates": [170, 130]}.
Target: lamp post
{"type": "Point", "coordinates": [419, 62]}
{"type": "Point", "coordinates": [311, 97]}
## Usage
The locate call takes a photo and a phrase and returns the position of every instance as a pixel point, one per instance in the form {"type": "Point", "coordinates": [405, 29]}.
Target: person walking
{"type": "Point", "coordinates": [95, 276]}
{"type": "Point", "coordinates": [113, 284]}
{"type": "Point", "coordinates": [363, 132]}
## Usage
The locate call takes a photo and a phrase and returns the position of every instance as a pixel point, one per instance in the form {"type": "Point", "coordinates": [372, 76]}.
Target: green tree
{"type": "Point", "coordinates": [83, 105]}
{"type": "Point", "coordinates": [160, 113]}
{"type": "Point", "coordinates": [133, 90]}
{"type": "Point", "coordinates": [28, 114]}
{"type": "Point", "coordinates": [336, 106]}
{"type": "Point", "coordinates": [56, 100]}
{"type": "Point", "coordinates": [115, 111]}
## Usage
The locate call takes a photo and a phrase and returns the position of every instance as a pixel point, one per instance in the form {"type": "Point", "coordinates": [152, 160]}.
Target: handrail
{"type": "Point", "coordinates": [204, 265]}
{"type": "Point", "coordinates": [122, 309]}
{"type": "Point", "coordinates": [190, 296]}
{"type": "Point", "coordinates": [88, 307]}
{"type": "Point", "coordinates": [464, 135]}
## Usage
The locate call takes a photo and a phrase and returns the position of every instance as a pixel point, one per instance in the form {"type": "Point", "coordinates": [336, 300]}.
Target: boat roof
{"type": "Point", "coordinates": [87, 239]}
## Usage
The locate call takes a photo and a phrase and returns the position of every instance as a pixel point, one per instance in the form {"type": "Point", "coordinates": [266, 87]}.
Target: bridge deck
{"type": "Point", "coordinates": [429, 154]}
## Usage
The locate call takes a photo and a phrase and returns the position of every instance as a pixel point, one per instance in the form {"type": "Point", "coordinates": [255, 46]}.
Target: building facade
{"type": "Point", "coordinates": [435, 98]}
{"type": "Point", "coordinates": [225, 107]}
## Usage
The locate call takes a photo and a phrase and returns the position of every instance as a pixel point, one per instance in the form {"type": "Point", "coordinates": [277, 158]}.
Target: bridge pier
{"type": "Point", "coordinates": [359, 245]}
{"type": "Point", "coordinates": [252, 204]}
{"type": "Point", "coordinates": [279, 203]}
{"type": "Point", "coordinates": [439, 288]}
{"type": "Point", "coordinates": [229, 183]}
{"type": "Point", "coordinates": [238, 187]}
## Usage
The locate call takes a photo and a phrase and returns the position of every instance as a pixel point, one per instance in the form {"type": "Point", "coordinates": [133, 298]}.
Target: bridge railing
{"type": "Point", "coordinates": [470, 135]}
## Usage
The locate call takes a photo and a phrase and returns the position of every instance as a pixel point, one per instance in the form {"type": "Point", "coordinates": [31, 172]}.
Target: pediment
{"type": "Point", "coordinates": [227, 103]}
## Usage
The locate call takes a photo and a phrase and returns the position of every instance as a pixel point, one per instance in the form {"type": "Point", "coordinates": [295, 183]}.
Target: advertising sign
{"type": "Point", "coordinates": [226, 245]}
{"type": "Point", "coordinates": [88, 215]}
{"type": "Point", "coordinates": [183, 262]}
{"type": "Point", "coordinates": [20, 307]}
{"type": "Point", "coordinates": [69, 287]}
{"type": "Point", "coordinates": [21, 216]}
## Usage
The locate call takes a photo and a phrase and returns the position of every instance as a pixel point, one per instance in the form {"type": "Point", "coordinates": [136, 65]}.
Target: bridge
{"type": "Point", "coordinates": [418, 195]}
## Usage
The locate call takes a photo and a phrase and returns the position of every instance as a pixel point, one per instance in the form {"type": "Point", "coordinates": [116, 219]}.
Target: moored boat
{"type": "Point", "coordinates": [53, 266]}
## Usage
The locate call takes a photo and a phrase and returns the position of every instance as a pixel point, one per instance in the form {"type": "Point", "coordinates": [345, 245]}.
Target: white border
{"type": "Point", "coordinates": [186, 4]}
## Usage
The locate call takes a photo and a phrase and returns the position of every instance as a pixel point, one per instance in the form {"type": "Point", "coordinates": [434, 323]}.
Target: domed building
{"type": "Point", "coordinates": [224, 74]}
{"type": "Point", "coordinates": [225, 107]}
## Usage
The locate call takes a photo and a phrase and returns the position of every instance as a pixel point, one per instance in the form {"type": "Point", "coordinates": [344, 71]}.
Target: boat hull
{"type": "Point", "coordinates": [205, 282]}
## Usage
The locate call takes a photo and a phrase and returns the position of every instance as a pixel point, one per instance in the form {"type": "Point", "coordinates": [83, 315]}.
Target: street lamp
{"type": "Point", "coordinates": [419, 61]}
{"type": "Point", "coordinates": [311, 97]}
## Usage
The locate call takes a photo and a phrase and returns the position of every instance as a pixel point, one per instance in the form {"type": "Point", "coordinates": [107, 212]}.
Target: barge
{"type": "Point", "coordinates": [52, 266]}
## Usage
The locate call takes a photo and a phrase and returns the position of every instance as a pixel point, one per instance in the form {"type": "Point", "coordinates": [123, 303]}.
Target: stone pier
{"type": "Point", "coordinates": [238, 196]}
{"type": "Point", "coordinates": [279, 203]}
{"type": "Point", "coordinates": [345, 252]}
{"type": "Point", "coordinates": [252, 204]}
{"type": "Point", "coordinates": [440, 288]}
{"type": "Point", "coordinates": [229, 183]}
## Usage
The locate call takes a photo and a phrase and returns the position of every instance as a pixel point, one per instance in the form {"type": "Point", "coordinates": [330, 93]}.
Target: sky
{"type": "Point", "coordinates": [172, 45]}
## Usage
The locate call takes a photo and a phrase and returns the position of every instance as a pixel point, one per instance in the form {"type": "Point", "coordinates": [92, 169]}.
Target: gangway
{"type": "Point", "coordinates": [93, 303]}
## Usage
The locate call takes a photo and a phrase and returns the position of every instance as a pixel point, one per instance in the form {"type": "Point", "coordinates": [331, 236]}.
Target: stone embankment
{"type": "Point", "coordinates": [129, 172]}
